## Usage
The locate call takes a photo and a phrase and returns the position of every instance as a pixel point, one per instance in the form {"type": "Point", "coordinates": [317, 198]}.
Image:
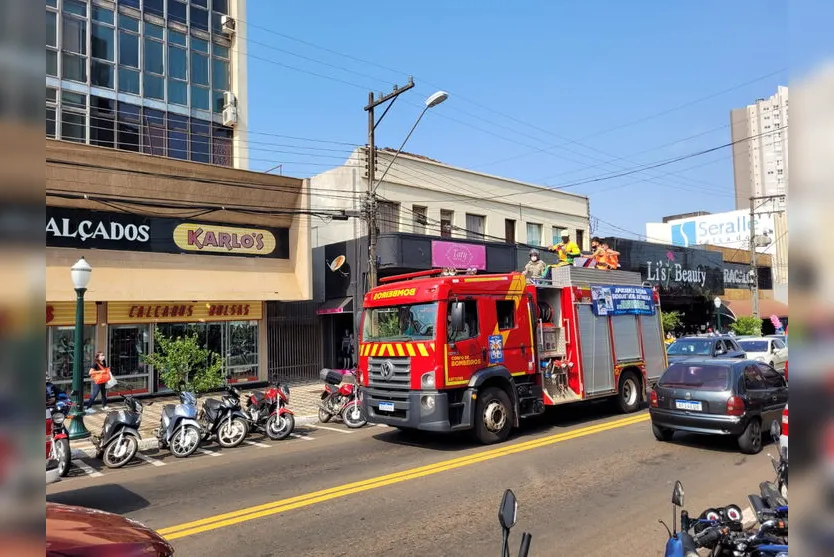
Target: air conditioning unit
{"type": "Point", "coordinates": [228, 25]}
{"type": "Point", "coordinates": [229, 99]}
{"type": "Point", "coordinates": [230, 116]}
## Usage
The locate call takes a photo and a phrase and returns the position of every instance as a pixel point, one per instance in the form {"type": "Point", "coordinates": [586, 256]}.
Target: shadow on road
{"type": "Point", "coordinates": [718, 443]}
{"type": "Point", "coordinates": [112, 498]}
{"type": "Point", "coordinates": [554, 418]}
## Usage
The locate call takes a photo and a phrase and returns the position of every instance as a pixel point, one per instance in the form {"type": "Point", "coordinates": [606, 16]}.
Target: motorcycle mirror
{"type": "Point", "coordinates": [775, 431]}
{"type": "Point", "coordinates": [508, 510]}
{"type": "Point", "coordinates": [677, 494]}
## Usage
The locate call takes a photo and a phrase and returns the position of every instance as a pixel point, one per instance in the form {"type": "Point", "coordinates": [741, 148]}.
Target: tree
{"type": "Point", "coordinates": [747, 325]}
{"type": "Point", "coordinates": [185, 365]}
{"type": "Point", "coordinates": [670, 320]}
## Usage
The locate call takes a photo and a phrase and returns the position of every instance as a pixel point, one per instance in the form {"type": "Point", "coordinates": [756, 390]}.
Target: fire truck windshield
{"type": "Point", "coordinates": [407, 322]}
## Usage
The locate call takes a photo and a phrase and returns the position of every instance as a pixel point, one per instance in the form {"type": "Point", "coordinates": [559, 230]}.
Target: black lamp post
{"type": "Point", "coordinates": [80, 273]}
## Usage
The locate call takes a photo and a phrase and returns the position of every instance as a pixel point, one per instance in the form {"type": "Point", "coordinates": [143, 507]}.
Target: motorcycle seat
{"type": "Point", "coordinates": [259, 396]}
{"type": "Point", "coordinates": [212, 404]}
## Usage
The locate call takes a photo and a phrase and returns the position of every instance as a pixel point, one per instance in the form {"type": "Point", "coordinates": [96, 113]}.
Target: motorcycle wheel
{"type": "Point", "coordinates": [118, 454]}
{"type": "Point", "coordinates": [230, 435]}
{"type": "Point", "coordinates": [279, 427]}
{"type": "Point", "coordinates": [353, 416]}
{"type": "Point", "coordinates": [185, 441]}
{"type": "Point", "coordinates": [324, 416]}
{"type": "Point", "coordinates": [63, 456]}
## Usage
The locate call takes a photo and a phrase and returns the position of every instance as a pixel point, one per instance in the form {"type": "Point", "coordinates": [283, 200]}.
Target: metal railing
{"type": "Point", "coordinates": [294, 342]}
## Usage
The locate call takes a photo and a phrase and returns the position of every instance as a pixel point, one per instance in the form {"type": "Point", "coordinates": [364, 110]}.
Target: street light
{"type": "Point", "coordinates": [80, 274]}
{"type": "Point", "coordinates": [434, 100]}
{"type": "Point", "coordinates": [717, 302]}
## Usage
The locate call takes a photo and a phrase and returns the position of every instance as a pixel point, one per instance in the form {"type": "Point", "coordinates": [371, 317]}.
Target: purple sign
{"type": "Point", "coordinates": [458, 256]}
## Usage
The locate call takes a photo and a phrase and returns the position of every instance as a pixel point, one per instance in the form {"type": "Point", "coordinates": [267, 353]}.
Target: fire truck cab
{"type": "Point", "coordinates": [482, 352]}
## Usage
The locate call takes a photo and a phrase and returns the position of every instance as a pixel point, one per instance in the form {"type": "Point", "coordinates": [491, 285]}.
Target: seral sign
{"type": "Point", "coordinates": [207, 238]}
{"type": "Point", "coordinates": [84, 229]}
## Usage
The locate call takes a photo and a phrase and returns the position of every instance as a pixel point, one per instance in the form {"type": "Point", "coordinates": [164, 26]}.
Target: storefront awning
{"type": "Point", "coordinates": [766, 308]}
{"type": "Point", "coordinates": [338, 305]}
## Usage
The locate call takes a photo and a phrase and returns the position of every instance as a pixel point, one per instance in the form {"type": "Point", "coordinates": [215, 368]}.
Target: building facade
{"type": "Point", "coordinates": [162, 77]}
{"type": "Point", "coordinates": [422, 196]}
{"type": "Point", "coordinates": [176, 247]}
{"type": "Point", "coordinates": [731, 230]}
{"type": "Point", "coordinates": [760, 149]}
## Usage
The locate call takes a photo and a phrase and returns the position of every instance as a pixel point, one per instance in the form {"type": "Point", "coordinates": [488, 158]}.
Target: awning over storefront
{"type": "Point", "coordinates": [766, 308]}
{"type": "Point", "coordinates": [337, 305]}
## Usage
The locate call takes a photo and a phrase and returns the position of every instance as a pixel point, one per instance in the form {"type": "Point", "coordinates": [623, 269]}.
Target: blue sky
{"type": "Point", "coordinates": [549, 92]}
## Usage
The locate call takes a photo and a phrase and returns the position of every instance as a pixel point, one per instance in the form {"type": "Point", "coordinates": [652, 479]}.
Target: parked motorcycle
{"type": "Point", "coordinates": [179, 429]}
{"type": "Point", "coordinates": [680, 543]}
{"type": "Point", "coordinates": [507, 514]}
{"type": "Point", "coordinates": [268, 412]}
{"type": "Point", "coordinates": [59, 406]}
{"type": "Point", "coordinates": [224, 419]}
{"type": "Point", "coordinates": [341, 400]}
{"type": "Point", "coordinates": [119, 439]}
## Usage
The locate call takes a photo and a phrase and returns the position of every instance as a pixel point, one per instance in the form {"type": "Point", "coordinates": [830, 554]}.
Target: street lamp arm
{"type": "Point", "coordinates": [402, 145]}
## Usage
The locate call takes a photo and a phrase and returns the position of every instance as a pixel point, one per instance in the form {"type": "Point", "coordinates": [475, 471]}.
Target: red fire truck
{"type": "Point", "coordinates": [481, 352]}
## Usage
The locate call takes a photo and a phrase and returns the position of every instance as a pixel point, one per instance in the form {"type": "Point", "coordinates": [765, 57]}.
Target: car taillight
{"type": "Point", "coordinates": [785, 421]}
{"type": "Point", "coordinates": [653, 399]}
{"type": "Point", "coordinates": [735, 406]}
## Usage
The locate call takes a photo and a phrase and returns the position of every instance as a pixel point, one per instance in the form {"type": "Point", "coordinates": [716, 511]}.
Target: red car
{"type": "Point", "coordinates": [81, 532]}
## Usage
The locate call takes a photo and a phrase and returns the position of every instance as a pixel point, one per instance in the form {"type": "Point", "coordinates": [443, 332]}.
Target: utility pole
{"type": "Point", "coordinates": [371, 209]}
{"type": "Point", "coordinates": [754, 269]}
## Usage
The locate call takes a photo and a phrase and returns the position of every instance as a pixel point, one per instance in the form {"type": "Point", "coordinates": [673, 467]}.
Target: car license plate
{"type": "Point", "coordinates": [688, 405]}
{"type": "Point", "coordinates": [386, 406]}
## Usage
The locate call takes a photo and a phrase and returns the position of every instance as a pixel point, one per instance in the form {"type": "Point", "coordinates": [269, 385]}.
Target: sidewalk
{"type": "Point", "coordinates": [304, 400]}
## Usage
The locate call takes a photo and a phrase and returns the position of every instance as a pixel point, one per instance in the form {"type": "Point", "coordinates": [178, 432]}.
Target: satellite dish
{"type": "Point", "coordinates": [337, 263]}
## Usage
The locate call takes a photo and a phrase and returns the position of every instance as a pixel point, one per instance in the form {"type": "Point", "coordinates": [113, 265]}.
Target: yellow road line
{"type": "Point", "coordinates": [275, 507]}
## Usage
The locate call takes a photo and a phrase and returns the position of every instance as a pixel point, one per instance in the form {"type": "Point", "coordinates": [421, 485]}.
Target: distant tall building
{"type": "Point", "coordinates": [760, 164]}
{"type": "Point", "coordinates": [162, 77]}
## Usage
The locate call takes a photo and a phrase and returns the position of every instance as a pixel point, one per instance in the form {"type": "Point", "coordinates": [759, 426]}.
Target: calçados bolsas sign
{"type": "Point", "coordinates": [85, 229]}
{"type": "Point", "coordinates": [622, 300]}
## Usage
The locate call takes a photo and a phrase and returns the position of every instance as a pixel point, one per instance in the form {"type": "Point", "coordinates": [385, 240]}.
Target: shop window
{"type": "Point", "coordinates": [126, 346]}
{"type": "Point", "coordinates": [200, 97]}
{"type": "Point", "coordinates": [505, 310]}
{"type": "Point", "coordinates": [153, 132]}
{"type": "Point", "coordinates": [60, 353]}
{"type": "Point", "coordinates": [103, 43]}
{"type": "Point", "coordinates": [102, 122]}
{"type": "Point", "coordinates": [200, 141]}
{"type": "Point", "coordinates": [177, 136]}
{"type": "Point", "coordinates": [199, 19]}
{"type": "Point", "coordinates": [534, 234]}
{"type": "Point", "coordinates": [128, 127]}
{"type": "Point", "coordinates": [199, 69]}
{"type": "Point", "coordinates": [220, 75]}
{"type": "Point", "coordinates": [177, 11]}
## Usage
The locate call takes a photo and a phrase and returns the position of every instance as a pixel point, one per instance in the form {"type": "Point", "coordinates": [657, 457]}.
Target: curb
{"type": "Point", "coordinates": [151, 444]}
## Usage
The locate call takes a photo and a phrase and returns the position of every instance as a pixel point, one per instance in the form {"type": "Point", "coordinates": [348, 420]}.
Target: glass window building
{"type": "Point", "coordinates": [160, 77]}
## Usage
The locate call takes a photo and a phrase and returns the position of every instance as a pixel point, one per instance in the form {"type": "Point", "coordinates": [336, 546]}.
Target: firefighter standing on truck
{"type": "Point", "coordinates": [566, 249]}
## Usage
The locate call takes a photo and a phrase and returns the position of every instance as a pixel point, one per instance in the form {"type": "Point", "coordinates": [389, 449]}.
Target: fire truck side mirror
{"type": "Point", "coordinates": [456, 315]}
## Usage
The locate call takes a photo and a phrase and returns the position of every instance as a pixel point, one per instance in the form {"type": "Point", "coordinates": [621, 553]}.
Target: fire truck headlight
{"type": "Point", "coordinates": [427, 380]}
{"type": "Point", "coordinates": [427, 402]}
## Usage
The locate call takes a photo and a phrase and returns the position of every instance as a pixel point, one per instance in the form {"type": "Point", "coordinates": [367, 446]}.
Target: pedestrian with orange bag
{"type": "Point", "coordinates": [100, 374]}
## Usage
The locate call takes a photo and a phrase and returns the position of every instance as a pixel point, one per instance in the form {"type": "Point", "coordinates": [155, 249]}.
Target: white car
{"type": "Point", "coordinates": [768, 350]}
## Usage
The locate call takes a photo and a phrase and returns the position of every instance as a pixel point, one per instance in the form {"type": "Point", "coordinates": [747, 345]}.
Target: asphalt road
{"type": "Point", "coordinates": [588, 481]}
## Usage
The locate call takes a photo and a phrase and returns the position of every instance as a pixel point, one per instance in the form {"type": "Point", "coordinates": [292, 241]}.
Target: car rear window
{"type": "Point", "coordinates": [694, 347]}
{"type": "Point", "coordinates": [753, 345]}
{"type": "Point", "coordinates": [704, 377]}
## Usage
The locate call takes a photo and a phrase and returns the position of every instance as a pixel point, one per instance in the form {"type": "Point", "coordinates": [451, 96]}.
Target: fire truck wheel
{"type": "Point", "coordinates": [629, 397]}
{"type": "Point", "coordinates": [493, 416]}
